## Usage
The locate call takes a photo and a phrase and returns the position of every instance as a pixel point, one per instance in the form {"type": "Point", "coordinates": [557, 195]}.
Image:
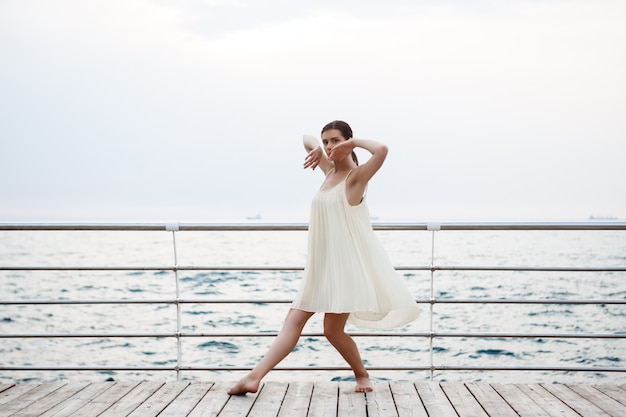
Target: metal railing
{"type": "Point", "coordinates": [432, 301]}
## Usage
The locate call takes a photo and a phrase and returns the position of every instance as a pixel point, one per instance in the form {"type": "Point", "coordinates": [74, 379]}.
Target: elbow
{"type": "Point", "coordinates": [384, 150]}
{"type": "Point", "coordinates": [310, 142]}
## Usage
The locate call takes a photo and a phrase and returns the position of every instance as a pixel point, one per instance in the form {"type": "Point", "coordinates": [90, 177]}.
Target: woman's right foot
{"type": "Point", "coordinates": [363, 384]}
{"type": "Point", "coordinates": [244, 386]}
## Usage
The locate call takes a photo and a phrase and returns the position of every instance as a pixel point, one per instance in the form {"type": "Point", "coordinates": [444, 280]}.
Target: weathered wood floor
{"type": "Point", "coordinates": [311, 399]}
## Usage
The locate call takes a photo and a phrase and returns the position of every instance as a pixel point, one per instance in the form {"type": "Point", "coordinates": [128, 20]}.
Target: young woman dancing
{"type": "Point", "coordinates": [348, 275]}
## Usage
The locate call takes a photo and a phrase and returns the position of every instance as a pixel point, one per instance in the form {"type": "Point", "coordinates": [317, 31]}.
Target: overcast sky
{"type": "Point", "coordinates": [194, 110]}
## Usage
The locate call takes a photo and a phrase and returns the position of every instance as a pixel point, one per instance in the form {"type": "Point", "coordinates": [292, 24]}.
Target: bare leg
{"type": "Point", "coordinates": [334, 330]}
{"type": "Point", "coordinates": [283, 344]}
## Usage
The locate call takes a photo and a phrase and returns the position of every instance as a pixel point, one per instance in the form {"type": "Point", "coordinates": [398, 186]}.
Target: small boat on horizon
{"type": "Point", "coordinates": [603, 218]}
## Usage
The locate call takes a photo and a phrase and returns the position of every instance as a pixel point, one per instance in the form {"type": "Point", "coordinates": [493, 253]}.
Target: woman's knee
{"type": "Point", "coordinates": [334, 332]}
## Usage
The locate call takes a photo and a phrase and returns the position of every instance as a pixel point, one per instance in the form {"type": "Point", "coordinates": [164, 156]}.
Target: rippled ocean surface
{"type": "Point", "coordinates": [288, 248]}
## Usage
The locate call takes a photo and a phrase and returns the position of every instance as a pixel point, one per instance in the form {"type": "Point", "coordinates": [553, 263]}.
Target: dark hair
{"type": "Point", "coordinates": [346, 132]}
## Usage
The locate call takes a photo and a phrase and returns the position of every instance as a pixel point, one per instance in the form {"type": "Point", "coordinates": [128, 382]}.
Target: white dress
{"type": "Point", "coordinates": [348, 270]}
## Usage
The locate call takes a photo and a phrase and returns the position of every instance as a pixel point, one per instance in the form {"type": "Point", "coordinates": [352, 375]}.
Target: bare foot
{"type": "Point", "coordinates": [244, 386]}
{"type": "Point", "coordinates": [363, 384]}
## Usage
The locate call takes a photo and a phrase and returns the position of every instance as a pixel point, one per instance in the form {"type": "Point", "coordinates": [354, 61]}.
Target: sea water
{"type": "Point", "coordinates": [288, 249]}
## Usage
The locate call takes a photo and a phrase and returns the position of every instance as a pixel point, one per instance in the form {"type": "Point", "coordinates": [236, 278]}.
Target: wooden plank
{"type": "Point", "coordinates": [187, 400]}
{"type": "Point", "coordinates": [28, 397]}
{"type": "Point", "coordinates": [490, 400]}
{"type": "Point", "coordinates": [16, 391]}
{"type": "Point", "coordinates": [579, 404]}
{"type": "Point", "coordinates": [551, 405]}
{"type": "Point", "coordinates": [408, 403]}
{"type": "Point", "coordinates": [350, 403]}
{"type": "Point", "coordinates": [520, 402]}
{"type": "Point", "coordinates": [213, 402]}
{"type": "Point", "coordinates": [603, 401]}
{"type": "Point", "coordinates": [379, 402]}
{"type": "Point", "coordinates": [324, 399]}
{"type": "Point", "coordinates": [269, 401]}
{"type": "Point", "coordinates": [297, 400]}
{"type": "Point", "coordinates": [44, 404]}
{"type": "Point", "coordinates": [4, 387]}
{"type": "Point", "coordinates": [239, 405]}
{"type": "Point", "coordinates": [159, 400]}
{"type": "Point", "coordinates": [462, 400]}
{"type": "Point", "coordinates": [74, 401]}
{"type": "Point", "coordinates": [613, 391]}
{"type": "Point", "coordinates": [105, 399]}
{"type": "Point", "coordinates": [434, 399]}
{"type": "Point", "coordinates": [132, 400]}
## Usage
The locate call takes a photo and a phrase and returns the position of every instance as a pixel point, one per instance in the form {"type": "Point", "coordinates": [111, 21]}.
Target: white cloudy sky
{"type": "Point", "coordinates": [193, 110]}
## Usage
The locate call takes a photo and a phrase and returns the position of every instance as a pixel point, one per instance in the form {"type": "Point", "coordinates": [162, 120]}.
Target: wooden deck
{"type": "Point", "coordinates": [419, 399]}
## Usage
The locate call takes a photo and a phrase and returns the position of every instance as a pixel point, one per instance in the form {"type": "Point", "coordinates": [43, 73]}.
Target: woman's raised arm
{"type": "Point", "coordinates": [315, 154]}
{"type": "Point", "coordinates": [358, 180]}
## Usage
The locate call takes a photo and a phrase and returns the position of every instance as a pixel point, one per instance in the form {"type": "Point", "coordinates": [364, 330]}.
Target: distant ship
{"type": "Point", "coordinates": [603, 218]}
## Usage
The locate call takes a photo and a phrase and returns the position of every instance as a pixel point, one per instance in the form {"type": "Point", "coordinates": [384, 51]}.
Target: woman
{"type": "Point", "coordinates": [348, 275]}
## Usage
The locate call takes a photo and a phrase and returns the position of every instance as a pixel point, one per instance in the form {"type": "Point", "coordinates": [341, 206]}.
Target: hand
{"type": "Point", "coordinates": [313, 158]}
{"type": "Point", "coordinates": [341, 151]}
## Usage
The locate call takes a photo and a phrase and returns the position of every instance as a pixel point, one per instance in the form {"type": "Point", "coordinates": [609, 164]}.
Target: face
{"type": "Point", "coordinates": [331, 138]}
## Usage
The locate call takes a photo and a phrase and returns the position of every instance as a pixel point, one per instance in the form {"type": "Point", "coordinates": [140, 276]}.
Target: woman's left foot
{"type": "Point", "coordinates": [244, 386]}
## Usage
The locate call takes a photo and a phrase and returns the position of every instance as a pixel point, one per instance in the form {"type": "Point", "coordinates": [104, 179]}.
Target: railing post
{"type": "Point", "coordinates": [433, 227]}
{"type": "Point", "coordinates": [174, 227]}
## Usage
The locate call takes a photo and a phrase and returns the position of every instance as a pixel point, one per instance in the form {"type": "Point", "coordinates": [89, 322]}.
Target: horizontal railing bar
{"type": "Point", "coordinates": [534, 335]}
{"type": "Point", "coordinates": [590, 225]}
{"type": "Point", "coordinates": [316, 368]}
{"type": "Point", "coordinates": [418, 368]}
{"type": "Point", "coordinates": [353, 334]}
{"type": "Point", "coordinates": [531, 368]}
{"type": "Point", "coordinates": [154, 226]}
{"type": "Point", "coordinates": [285, 301]}
{"type": "Point", "coordinates": [522, 301]}
{"type": "Point", "coordinates": [566, 226]}
{"type": "Point", "coordinates": [300, 268]}
{"type": "Point", "coordinates": [310, 368]}
{"type": "Point", "coordinates": [527, 268]}
{"type": "Point", "coordinates": [95, 302]}
{"type": "Point", "coordinates": [86, 335]}
{"type": "Point", "coordinates": [87, 368]}
{"type": "Point", "coordinates": [154, 268]}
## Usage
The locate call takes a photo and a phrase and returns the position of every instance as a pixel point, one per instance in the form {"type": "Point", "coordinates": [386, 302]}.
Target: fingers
{"type": "Point", "coordinates": [311, 165]}
{"type": "Point", "coordinates": [312, 160]}
{"type": "Point", "coordinates": [339, 154]}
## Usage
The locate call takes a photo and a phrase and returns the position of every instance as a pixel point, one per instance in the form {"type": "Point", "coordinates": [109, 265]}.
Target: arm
{"type": "Point", "coordinates": [358, 180]}
{"type": "Point", "coordinates": [363, 173]}
{"type": "Point", "coordinates": [315, 155]}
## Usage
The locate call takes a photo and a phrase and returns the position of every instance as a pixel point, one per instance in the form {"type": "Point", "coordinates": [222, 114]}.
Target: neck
{"type": "Point", "coordinates": [345, 165]}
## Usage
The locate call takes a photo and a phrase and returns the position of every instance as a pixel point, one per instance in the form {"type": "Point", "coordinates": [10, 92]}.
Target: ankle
{"type": "Point", "coordinates": [252, 376]}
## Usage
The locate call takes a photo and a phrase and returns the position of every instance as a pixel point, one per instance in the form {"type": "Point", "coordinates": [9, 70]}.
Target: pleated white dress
{"type": "Point", "coordinates": [348, 270]}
